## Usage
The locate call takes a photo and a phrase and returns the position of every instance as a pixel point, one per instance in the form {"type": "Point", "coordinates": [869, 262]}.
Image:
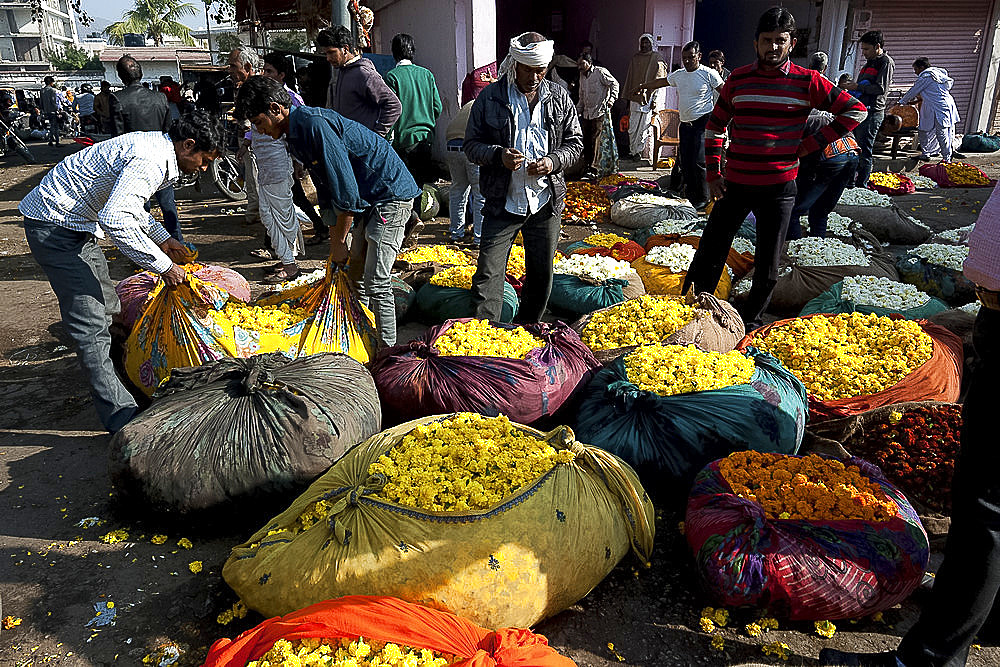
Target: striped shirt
{"type": "Point", "coordinates": [766, 112]}
{"type": "Point", "coordinates": [103, 189]}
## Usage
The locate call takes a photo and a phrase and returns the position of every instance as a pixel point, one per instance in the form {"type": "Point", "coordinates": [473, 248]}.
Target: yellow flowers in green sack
{"type": "Point", "coordinates": [604, 240]}
{"type": "Point", "coordinates": [344, 652]}
{"type": "Point", "coordinates": [462, 463]}
{"type": "Point", "coordinates": [438, 254]}
{"type": "Point", "coordinates": [647, 320]}
{"type": "Point", "coordinates": [479, 338]}
{"type": "Point", "coordinates": [455, 276]}
{"type": "Point", "coordinates": [272, 319]}
{"type": "Point", "coordinates": [669, 370]}
{"type": "Point", "coordinates": [848, 355]}
{"type": "Point", "coordinates": [515, 262]}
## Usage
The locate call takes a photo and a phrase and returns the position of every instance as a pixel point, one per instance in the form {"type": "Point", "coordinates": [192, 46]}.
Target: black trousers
{"type": "Point", "coordinates": [966, 585]}
{"type": "Point", "coordinates": [591, 130]}
{"type": "Point", "coordinates": [692, 160]}
{"type": "Point", "coordinates": [772, 206]}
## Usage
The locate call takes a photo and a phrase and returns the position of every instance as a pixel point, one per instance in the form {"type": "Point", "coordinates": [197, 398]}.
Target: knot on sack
{"type": "Point", "coordinates": [422, 349]}
{"type": "Point", "coordinates": [256, 376]}
{"type": "Point", "coordinates": [349, 496]}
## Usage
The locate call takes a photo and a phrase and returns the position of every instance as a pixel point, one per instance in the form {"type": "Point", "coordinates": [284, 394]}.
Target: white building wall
{"type": "Point", "coordinates": [151, 71]}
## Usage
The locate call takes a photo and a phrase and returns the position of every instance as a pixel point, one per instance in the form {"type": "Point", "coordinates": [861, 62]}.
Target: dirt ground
{"type": "Point", "coordinates": [56, 575]}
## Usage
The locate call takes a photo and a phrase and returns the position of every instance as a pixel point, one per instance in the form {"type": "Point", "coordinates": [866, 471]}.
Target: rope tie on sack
{"type": "Point", "coordinates": [349, 496]}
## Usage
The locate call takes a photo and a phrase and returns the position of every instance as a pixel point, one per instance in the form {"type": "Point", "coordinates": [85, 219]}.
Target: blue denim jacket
{"type": "Point", "coordinates": [352, 168]}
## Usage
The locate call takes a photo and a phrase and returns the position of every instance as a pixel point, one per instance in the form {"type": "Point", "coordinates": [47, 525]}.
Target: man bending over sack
{"type": "Point", "coordinates": [359, 181]}
{"type": "Point", "coordinates": [102, 190]}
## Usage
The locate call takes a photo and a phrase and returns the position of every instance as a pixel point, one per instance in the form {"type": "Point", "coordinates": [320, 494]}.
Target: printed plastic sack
{"type": "Point", "coordinates": [414, 380]}
{"type": "Point", "coordinates": [798, 569]}
{"type": "Point", "coordinates": [974, 177]}
{"type": "Point", "coordinates": [670, 438]}
{"type": "Point", "coordinates": [134, 292]}
{"type": "Point", "coordinates": [434, 304]}
{"type": "Point", "coordinates": [237, 432]}
{"type": "Point", "coordinates": [387, 619]}
{"type": "Point", "coordinates": [937, 379]}
{"type": "Point", "coordinates": [716, 327]}
{"type": "Point", "coordinates": [576, 296]}
{"type": "Point", "coordinates": [403, 296]}
{"type": "Point", "coordinates": [949, 284]}
{"type": "Point", "coordinates": [642, 209]}
{"type": "Point", "coordinates": [530, 556]}
{"type": "Point", "coordinates": [887, 224]}
{"type": "Point", "coordinates": [831, 301]}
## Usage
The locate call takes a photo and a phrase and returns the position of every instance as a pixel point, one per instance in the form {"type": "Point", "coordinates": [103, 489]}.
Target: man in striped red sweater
{"type": "Point", "coordinates": [765, 105]}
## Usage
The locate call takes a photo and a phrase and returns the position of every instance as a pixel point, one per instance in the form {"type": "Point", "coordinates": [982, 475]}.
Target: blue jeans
{"type": "Point", "coordinates": [865, 134]}
{"type": "Point", "coordinates": [376, 242]}
{"type": "Point", "coordinates": [78, 274]}
{"type": "Point", "coordinates": [464, 189]}
{"type": "Point", "coordinates": [819, 188]}
{"type": "Point", "coordinates": [54, 127]}
{"type": "Point", "coordinates": [168, 207]}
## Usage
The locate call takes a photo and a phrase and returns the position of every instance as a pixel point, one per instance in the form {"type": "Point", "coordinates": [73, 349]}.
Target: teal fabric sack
{"type": "Point", "coordinates": [830, 301]}
{"type": "Point", "coordinates": [435, 304]}
{"type": "Point", "coordinates": [668, 439]}
{"type": "Point", "coordinates": [577, 297]}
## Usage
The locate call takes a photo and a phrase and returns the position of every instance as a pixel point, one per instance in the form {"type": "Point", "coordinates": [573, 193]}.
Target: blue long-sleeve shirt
{"type": "Point", "coordinates": [352, 168]}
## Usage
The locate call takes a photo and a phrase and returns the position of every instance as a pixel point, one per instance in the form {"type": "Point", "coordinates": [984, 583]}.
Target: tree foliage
{"type": "Point", "coordinates": [73, 58]}
{"type": "Point", "coordinates": [292, 40]}
{"type": "Point", "coordinates": [226, 42]}
{"type": "Point", "coordinates": [155, 19]}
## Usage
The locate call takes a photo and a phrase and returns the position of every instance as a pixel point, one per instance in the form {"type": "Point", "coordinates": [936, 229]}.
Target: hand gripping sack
{"type": "Point", "coordinates": [413, 380]}
{"type": "Point", "coordinates": [134, 292]}
{"type": "Point", "coordinates": [937, 379]}
{"type": "Point", "coordinates": [435, 304]}
{"type": "Point", "coordinates": [576, 296]}
{"type": "Point", "coordinates": [671, 438]}
{"type": "Point", "coordinates": [832, 301]}
{"type": "Point", "coordinates": [716, 327]}
{"type": "Point", "coordinates": [949, 284]}
{"type": "Point", "coordinates": [530, 556]}
{"type": "Point", "coordinates": [387, 619]}
{"type": "Point", "coordinates": [803, 569]}
{"type": "Point", "coordinates": [239, 431]}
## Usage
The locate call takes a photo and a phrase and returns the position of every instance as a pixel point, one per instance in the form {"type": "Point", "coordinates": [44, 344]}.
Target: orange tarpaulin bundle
{"type": "Point", "coordinates": [937, 379]}
{"type": "Point", "coordinates": [388, 619]}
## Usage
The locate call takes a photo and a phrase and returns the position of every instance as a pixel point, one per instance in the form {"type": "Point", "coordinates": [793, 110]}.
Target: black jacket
{"type": "Point", "coordinates": [491, 129]}
{"type": "Point", "coordinates": [139, 109]}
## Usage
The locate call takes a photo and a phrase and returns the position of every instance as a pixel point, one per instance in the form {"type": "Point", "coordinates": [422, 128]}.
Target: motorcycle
{"type": "Point", "coordinates": [10, 141]}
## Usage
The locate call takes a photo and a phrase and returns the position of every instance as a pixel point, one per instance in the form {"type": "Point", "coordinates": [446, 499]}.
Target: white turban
{"type": "Point", "coordinates": [536, 54]}
{"type": "Point", "coordinates": [646, 35]}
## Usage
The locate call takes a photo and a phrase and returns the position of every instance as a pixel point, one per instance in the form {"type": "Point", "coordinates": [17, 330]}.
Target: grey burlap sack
{"type": "Point", "coordinates": [887, 224]}
{"type": "Point", "coordinates": [957, 321]}
{"type": "Point", "coordinates": [641, 210]}
{"type": "Point", "coordinates": [717, 327]}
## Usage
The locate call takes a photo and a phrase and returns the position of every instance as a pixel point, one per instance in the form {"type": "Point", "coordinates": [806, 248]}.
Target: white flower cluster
{"type": "Point", "coordinates": [972, 308]}
{"type": "Point", "coordinates": [676, 257]}
{"type": "Point", "coordinates": [741, 287]}
{"type": "Point", "coordinates": [740, 244]}
{"type": "Point", "coordinates": [959, 236]}
{"type": "Point", "coordinates": [302, 279]}
{"type": "Point", "coordinates": [922, 182]}
{"type": "Point", "coordinates": [949, 256]}
{"type": "Point", "coordinates": [836, 224]}
{"type": "Point", "coordinates": [882, 293]}
{"type": "Point", "coordinates": [812, 251]}
{"type": "Point", "coordinates": [673, 227]}
{"type": "Point", "coordinates": [594, 269]}
{"type": "Point", "coordinates": [864, 197]}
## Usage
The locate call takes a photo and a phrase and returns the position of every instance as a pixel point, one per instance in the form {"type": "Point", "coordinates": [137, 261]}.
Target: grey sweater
{"type": "Point", "coordinates": [357, 91]}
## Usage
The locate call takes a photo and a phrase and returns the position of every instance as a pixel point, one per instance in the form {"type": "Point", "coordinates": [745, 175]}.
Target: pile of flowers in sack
{"type": "Point", "coordinates": [667, 227]}
{"type": "Point", "coordinates": [972, 307]}
{"type": "Point", "coordinates": [438, 254]}
{"type": "Point", "coordinates": [676, 256]}
{"type": "Point", "coordinates": [587, 202]}
{"type": "Point", "coordinates": [594, 268]}
{"type": "Point", "coordinates": [815, 251]}
{"type": "Point", "coordinates": [836, 224]}
{"type": "Point", "coordinates": [882, 293]}
{"type": "Point", "coordinates": [922, 182]}
{"type": "Point", "coordinates": [643, 321]}
{"type": "Point", "coordinates": [304, 278]}
{"type": "Point", "coordinates": [740, 244]}
{"type": "Point", "coordinates": [864, 197]}
{"type": "Point", "coordinates": [957, 236]}
{"type": "Point", "coordinates": [668, 370]}
{"type": "Point", "coordinates": [478, 338]}
{"type": "Point", "coordinates": [886, 179]}
{"type": "Point", "coordinates": [454, 276]}
{"type": "Point", "coordinates": [963, 173]}
{"type": "Point", "coordinates": [949, 256]}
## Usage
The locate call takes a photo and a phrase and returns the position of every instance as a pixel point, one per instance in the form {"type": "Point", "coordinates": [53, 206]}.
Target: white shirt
{"type": "Point", "coordinates": [598, 91]}
{"type": "Point", "coordinates": [694, 91]}
{"type": "Point", "coordinates": [103, 188]}
{"type": "Point", "coordinates": [527, 193]}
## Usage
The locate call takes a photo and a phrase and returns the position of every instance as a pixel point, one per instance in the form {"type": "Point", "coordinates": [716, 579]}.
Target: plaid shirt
{"type": "Point", "coordinates": [103, 189]}
{"type": "Point", "coordinates": [983, 264]}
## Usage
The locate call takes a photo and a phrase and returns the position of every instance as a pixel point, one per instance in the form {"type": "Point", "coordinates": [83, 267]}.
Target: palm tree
{"type": "Point", "coordinates": [155, 19]}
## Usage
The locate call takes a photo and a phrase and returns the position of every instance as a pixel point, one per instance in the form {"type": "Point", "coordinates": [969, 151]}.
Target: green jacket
{"type": "Point", "coordinates": [417, 92]}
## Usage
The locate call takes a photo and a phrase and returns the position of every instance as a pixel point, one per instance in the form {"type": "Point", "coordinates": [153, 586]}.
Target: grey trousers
{"type": "Point", "coordinates": [78, 273]}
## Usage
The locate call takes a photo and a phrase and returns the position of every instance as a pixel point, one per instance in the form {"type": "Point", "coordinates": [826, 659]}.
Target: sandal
{"type": "Point", "coordinates": [262, 253]}
{"type": "Point", "coordinates": [318, 239]}
{"type": "Point", "coordinates": [271, 269]}
{"type": "Point", "coordinates": [282, 275]}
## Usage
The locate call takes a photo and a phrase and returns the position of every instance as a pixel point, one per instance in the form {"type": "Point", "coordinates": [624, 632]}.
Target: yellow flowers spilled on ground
{"type": "Point", "coordinates": [777, 649]}
{"type": "Point", "coordinates": [455, 276]}
{"type": "Point", "coordinates": [115, 536]}
{"type": "Point", "coordinates": [274, 319]}
{"type": "Point", "coordinates": [963, 173]}
{"type": "Point", "coordinates": [439, 254]}
{"type": "Point", "coordinates": [718, 643]}
{"type": "Point", "coordinates": [195, 566]}
{"type": "Point", "coordinates": [805, 487]}
{"type": "Point", "coordinates": [647, 320]}
{"type": "Point", "coordinates": [515, 262]}
{"type": "Point", "coordinates": [344, 652]}
{"type": "Point", "coordinates": [479, 338]}
{"type": "Point", "coordinates": [849, 354]}
{"type": "Point", "coordinates": [706, 625]}
{"type": "Point", "coordinates": [604, 240]}
{"type": "Point", "coordinates": [238, 610]}
{"type": "Point", "coordinates": [158, 539]}
{"type": "Point", "coordinates": [753, 630]}
{"type": "Point", "coordinates": [462, 463]}
{"type": "Point", "coordinates": [668, 370]}
{"type": "Point", "coordinates": [886, 179]}
{"type": "Point", "coordinates": [184, 543]}
{"type": "Point", "coordinates": [825, 628]}
{"type": "Point", "coordinates": [11, 622]}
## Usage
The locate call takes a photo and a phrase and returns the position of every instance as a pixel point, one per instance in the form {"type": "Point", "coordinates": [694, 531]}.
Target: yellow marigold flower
{"type": "Point", "coordinates": [515, 262]}
{"type": "Point", "coordinates": [718, 643]}
{"type": "Point", "coordinates": [647, 320]}
{"type": "Point", "coordinates": [455, 276]}
{"type": "Point", "coordinates": [115, 536]}
{"type": "Point", "coordinates": [184, 543]}
{"type": "Point", "coordinates": [708, 612]}
{"type": "Point", "coordinates": [768, 623]}
{"type": "Point", "coordinates": [668, 370]}
{"type": "Point", "coordinates": [706, 625]}
{"type": "Point", "coordinates": [777, 649]}
{"type": "Point", "coordinates": [195, 566]}
{"type": "Point", "coordinates": [753, 630]}
{"type": "Point", "coordinates": [345, 652]}
{"type": "Point", "coordinates": [273, 319]}
{"type": "Point", "coordinates": [825, 629]}
{"type": "Point", "coordinates": [604, 240]}
{"type": "Point", "coordinates": [158, 539]}
{"type": "Point", "coordinates": [238, 610]}
{"type": "Point", "coordinates": [721, 617]}
{"type": "Point", "coordinates": [479, 338]}
{"type": "Point", "coordinates": [895, 416]}
{"type": "Point", "coordinates": [11, 622]}
{"type": "Point", "coordinates": [439, 254]}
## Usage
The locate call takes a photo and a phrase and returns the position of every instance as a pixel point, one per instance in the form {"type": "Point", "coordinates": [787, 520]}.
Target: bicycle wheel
{"type": "Point", "coordinates": [226, 175]}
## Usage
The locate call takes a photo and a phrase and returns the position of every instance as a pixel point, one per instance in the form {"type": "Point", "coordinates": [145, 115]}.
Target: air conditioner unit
{"type": "Point", "coordinates": [862, 21]}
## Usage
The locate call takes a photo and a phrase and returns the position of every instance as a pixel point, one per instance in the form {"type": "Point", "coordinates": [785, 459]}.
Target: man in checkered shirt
{"type": "Point", "coordinates": [101, 191]}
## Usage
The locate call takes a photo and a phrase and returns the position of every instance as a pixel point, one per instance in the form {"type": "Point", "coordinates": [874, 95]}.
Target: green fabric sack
{"type": "Point", "coordinates": [830, 301]}
{"type": "Point", "coordinates": [434, 304]}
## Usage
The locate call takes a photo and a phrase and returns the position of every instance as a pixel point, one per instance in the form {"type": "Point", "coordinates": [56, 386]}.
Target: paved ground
{"type": "Point", "coordinates": [54, 572]}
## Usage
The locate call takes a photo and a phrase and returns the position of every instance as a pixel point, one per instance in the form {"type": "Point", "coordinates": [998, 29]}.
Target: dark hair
{"type": "Point", "coordinates": [922, 63]}
{"type": "Point", "coordinates": [531, 38]}
{"type": "Point", "coordinates": [203, 127]}
{"type": "Point", "coordinates": [402, 47]}
{"type": "Point", "coordinates": [692, 46]}
{"type": "Point", "coordinates": [717, 53]}
{"type": "Point", "coordinates": [586, 56]}
{"type": "Point", "coordinates": [255, 96]}
{"type": "Point", "coordinates": [49, 80]}
{"type": "Point", "coordinates": [873, 37]}
{"type": "Point", "coordinates": [278, 61]}
{"type": "Point", "coordinates": [338, 37]}
{"type": "Point", "coordinates": [129, 70]}
{"type": "Point", "coordinates": [776, 19]}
